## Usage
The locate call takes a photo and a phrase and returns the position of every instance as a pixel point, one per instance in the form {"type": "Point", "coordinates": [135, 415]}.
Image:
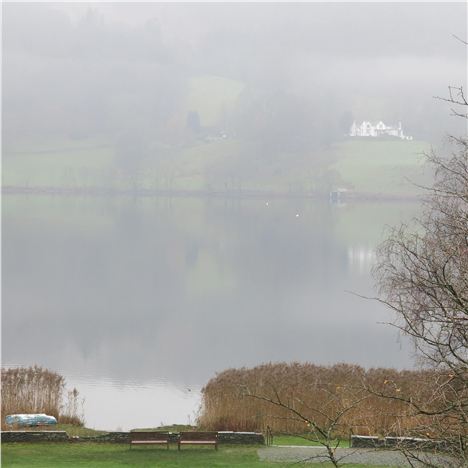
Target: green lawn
{"type": "Point", "coordinates": [47, 455]}
{"type": "Point", "coordinates": [57, 455]}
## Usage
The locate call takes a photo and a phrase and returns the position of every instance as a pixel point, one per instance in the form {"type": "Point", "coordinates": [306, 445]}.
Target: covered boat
{"type": "Point", "coordinates": [30, 420]}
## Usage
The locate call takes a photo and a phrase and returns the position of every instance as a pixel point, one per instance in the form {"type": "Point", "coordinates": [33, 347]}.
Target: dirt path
{"type": "Point", "coordinates": [291, 454]}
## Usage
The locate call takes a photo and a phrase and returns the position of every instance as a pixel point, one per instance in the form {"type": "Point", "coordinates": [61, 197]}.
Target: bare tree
{"type": "Point", "coordinates": [324, 422]}
{"type": "Point", "coordinates": [422, 274]}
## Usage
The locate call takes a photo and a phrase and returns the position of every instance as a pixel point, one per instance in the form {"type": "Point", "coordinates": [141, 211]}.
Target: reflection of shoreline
{"type": "Point", "coordinates": [196, 269]}
{"type": "Point", "coordinates": [261, 194]}
{"type": "Point", "coordinates": [91, 379]}
{"type": "Point", "coordinates": [361, 259]}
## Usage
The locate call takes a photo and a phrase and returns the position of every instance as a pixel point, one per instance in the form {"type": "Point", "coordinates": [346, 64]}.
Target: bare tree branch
{"type": "Point", "coordinates": [422, 275]}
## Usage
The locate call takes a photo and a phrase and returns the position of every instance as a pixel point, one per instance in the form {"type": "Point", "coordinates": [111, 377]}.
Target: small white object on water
{"type": "Point", "coordinates": [297, 215]}
{"type": "Point", "coordinates": [266, 204]}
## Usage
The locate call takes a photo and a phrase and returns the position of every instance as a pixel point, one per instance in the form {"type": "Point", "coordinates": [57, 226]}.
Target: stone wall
{"type": "Point", "coordinates": [224, 437]}
{"type": "Point", "coordinates": [113, 437]}
{"type": "Point", "coordinates": [253, 438]}
{"type": "Point", "coordinates": [34, 436]}
{"type": "Point", "coordinates": [414, 443]}
{"type": "Point", "coordinates": [366, 441]}
{"type": "Point", "coordinates": [358, 441]}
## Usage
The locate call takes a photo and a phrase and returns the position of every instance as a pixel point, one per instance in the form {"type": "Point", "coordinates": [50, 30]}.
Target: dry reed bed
{"type": "Point", "coordinates": [38, 390]}
{"type": "Point", "coordinates": [230, 401]}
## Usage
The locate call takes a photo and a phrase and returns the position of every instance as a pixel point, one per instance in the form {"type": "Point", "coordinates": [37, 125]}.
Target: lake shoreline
{"type": "Point", "coordinates": [173, 193]}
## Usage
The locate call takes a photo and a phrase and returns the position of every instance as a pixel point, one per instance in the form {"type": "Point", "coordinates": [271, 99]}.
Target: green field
{"type": "Point", "coordinates": [58, 455]}
{"type": "Point", "coordinates": [381, 166]}
{"type": "Point", "coordinates": [47, 455]}
{"type": "Point", "coordinates": [57, 163]}
{"type": "Point", "coordinates": [384, 167]}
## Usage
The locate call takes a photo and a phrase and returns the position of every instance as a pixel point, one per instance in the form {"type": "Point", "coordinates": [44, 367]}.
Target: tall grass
{"type": "Point", "coordinates": [321, 393]}
{"type": "Point", "coordinates": [38, 390]}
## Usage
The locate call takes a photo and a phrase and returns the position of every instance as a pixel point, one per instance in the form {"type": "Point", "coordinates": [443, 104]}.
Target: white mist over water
{"type": "Point", "coordinates": [112, 406]}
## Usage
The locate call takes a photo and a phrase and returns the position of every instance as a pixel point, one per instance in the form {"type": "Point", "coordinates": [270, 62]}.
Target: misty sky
{"type": "Point", "coordinates": [96, 70]}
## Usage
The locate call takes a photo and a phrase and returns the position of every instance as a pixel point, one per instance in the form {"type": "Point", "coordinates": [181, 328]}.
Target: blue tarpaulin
{"type": "Point", "coordinates": [29, 419]}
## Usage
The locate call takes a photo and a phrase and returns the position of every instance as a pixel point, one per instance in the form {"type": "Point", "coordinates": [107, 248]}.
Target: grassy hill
{"type": "Point", "coordinates": [381, 166]}
{"type": "Point", "coordinates": [212, 97]}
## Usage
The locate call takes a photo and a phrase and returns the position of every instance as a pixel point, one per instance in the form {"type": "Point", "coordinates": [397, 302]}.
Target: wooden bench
{"type": "Point", "coordinates": [149, 438]}
{"type": "Point", "coordinates": [198, 438]}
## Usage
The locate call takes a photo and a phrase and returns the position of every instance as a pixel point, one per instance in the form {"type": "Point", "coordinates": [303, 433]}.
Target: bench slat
{"type": "Point", "coordinates": [198, 438]}
{"type": "Point", "coordinates": [148, 442]}
{"type": "Point", "coordinates": [149, 438]}
{"type": "Point", "coordinates": [205, 442]}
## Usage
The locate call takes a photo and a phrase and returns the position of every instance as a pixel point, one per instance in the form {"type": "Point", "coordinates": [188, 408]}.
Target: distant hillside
{"type": "Point", "coordinates": [212, 97]}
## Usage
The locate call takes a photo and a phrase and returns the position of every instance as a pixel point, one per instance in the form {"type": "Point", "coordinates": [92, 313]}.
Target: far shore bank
{"type": "Point", "coordinates": [234, 194]}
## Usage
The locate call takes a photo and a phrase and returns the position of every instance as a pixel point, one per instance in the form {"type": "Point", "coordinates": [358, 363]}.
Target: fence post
{"type": "Point", "coordinates": [269, 436]}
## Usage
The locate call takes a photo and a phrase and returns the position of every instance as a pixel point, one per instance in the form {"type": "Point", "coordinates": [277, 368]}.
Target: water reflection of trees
{"type": "Point", "coordinates": [224, 279]}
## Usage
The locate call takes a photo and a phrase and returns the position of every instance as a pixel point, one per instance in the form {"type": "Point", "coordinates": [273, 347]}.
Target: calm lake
{"type": "Point", "coordinates": [138, 302]}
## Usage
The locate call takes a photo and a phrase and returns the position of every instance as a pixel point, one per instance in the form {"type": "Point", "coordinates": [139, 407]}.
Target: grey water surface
{"type": "Point", "coordinates": [138, 302]}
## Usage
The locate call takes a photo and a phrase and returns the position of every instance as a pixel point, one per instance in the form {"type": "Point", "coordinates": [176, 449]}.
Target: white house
{"type": "Point", "coordinates": [379, 129]}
